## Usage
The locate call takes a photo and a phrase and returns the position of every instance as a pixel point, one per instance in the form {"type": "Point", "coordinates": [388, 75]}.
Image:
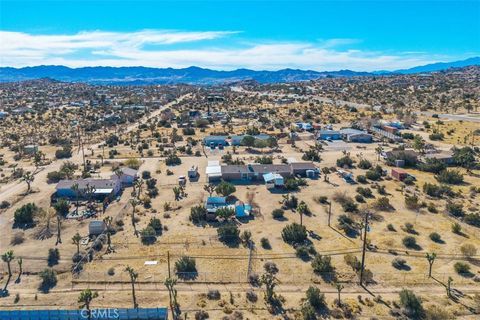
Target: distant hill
{"type": "Point", "coordinates": [441, 66]}
{"type": "Point", "coordinates": [193, 75]}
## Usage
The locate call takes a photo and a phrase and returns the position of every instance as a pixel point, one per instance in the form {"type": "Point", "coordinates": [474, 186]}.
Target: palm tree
{"type": "Point", "coordinates": [133, 278]}
{"type": "Point", "coordinates": [20, 267]}
{"type": "Point", "coordinates": [28, 178]}
{"type": "Point", "coordinates": [431, 258]}
{"type": "Point", "coordinates": [302, 209]}
{"type": "Point", "coordinates": [76, 241]}
{"type": "Point", "coordinates": [85, 298]}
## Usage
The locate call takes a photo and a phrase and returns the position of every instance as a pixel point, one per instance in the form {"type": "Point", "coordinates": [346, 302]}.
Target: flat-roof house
{"type": "Point", "coordinates": [444, 156]}
{"type": "Point", "coordinates": [329, 135]}
{"type": "Point", "coordinates": [215, 141]}
{"type": "Point", "coordinates": [102, 188]}
{"type": "Point", "coordinates": [301, 168]}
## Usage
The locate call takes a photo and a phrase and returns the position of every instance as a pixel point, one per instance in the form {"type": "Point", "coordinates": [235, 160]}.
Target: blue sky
{"type": "Point", "coordinates": [318, 35]}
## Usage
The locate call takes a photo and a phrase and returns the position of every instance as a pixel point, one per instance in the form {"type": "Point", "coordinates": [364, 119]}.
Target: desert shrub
{"type": "Point", "coordinates": [411, 202]}
{"type": "Point", "coordinates": [390, 227]}
{"type": "Point", "coordinates": [185, 267]}
{"type": "Point", "coordinates": [146, 175]}
{"type": "Point", "coordinates": [435, 237]}
{"type": "Point", "coordinates": [435, 312]}
{"type": "Point", "coordinates": [409, 242]}
{"type": "Point", "coordinates": [322, 264]}
{"type": "Point", "coordinates": [4, 204]}
{"type": "Point", "coordinates": [382, 204]}
{"type": "Point", "coordinates": [436, 136]}
{"type": "Point", "coordinates": [349, 205]}
{"type": "Point", "coordinates": [455, 209]}
{"type": "Point", "coordinates": [213, 294]}
{"type": "Point", "coordinates": [294, 234]}
{"type": "Point", "coordinates": [399, 263]}
{"type": "Point", "coordinates": [345, 161]}
{"type": "Point", "coordinates": [201, 315]}
{"type": "Point", "coordinates": [17, 238]}
{"type": "Point", "coordinates": [361, 179]}
{"type": "Point", "coordinates": [198, 214]}
{"type": "Point", "coordinates": [347, 224]}
{"type": "Point", "coordinates": [461, 268]}
{"type": "Point", "coordinates": [437, 191]}
{"type": "Point", "coordinates": [265, 243]}
{"type": "Point", "coordinates": [308, 312]}
{"type": "Point", "coordinates": [148, 235]}
{"type": "Point", "coordinates": [315, 298]}
{"type": "Point", "coordinates": [409, 227]}
{"type": "Point", "coordinates": [432, 165]}
{"type": "Point", "coordinates": [277, 214]}
{"type": "Point", "coordinates": [302, 252]}
{"type": "Point", "coordinates": [251, 296]}
{"type": "Point", "coordinates": [24, 214]}
{"type": "Point", "coordinates": [456, 228]}
{"type": "Point", "coordinates": [359, 198]}
{"type": "Point", "coordinates": [228, 233]}
{"type": "Point", "coordinates": [411, 304]}
{"type": "Point", "coordinates": [53, 256]}
{"type": "Point", "coordinates": [55, 176]}
{"type": "Point", "coordinates": [373, 175]}
{"type": "Point", "coordinates": [468, 250]}
{"type": "Point", "coordinates": [450, 176]}
{"type": "Point", "coordinates": [49, 279]}
{"type": "Point", "coordinates": [409, 180]}
{"type": "Point", "coordinates": [156, 224]}
{"type": "Point", "coordinates": [472, 219]}
{"type": "Point", "coordinates": [292, 184]}
{"type": "Point", "coordinates": [364, 164]}
{"type": "Point", "coordinates": [172, 160]}
{"type": "Point", "coordinates": [366, 192]}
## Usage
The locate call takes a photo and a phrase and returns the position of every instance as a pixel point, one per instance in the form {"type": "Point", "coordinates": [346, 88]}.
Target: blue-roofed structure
{"type": "Point", "coordinates": [214, 141]}
{"type": "Point", "coordinates": [213, 203]}
{"type": "Point", "coordinates": [97, 314]}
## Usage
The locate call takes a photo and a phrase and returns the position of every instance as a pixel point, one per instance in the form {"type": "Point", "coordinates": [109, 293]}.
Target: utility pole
{"type": "Point", "coordinates": [364, 247]}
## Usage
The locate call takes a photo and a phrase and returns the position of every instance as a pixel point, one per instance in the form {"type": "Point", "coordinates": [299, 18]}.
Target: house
{"type": "Point", "coordinates": [214, 141]}
{"type": "Point", "coordinates": [214, 203]}
{"type": "Point", "coordinates": [102, 188]}
{"type": "Point", "coordinates": [127, 176]}
{"type": "Point", "coordinates": [236, 172]}
{"type": "Point", "coordinates": [354, 135]}
{"type": "Point", "coordinates": [213, 171]}
{"type": "Point", "coordinates": [302, 168]}
{"type": "Point", "coordinates": [273, 180]}
{"type": "Point", "coordinates": [444, 156]}
{"type": "Point", "coordinates": [399, 174]}
{"type": "Point", "coordinates": [329, 135]}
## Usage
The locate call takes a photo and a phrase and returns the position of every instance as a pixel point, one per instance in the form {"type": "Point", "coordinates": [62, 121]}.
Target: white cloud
{"type": "Point", "coordinates": [99, 48]}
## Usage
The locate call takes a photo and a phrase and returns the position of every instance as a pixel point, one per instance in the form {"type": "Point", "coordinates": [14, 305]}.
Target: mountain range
{"type": "Point", "coordinates": [196, 75]}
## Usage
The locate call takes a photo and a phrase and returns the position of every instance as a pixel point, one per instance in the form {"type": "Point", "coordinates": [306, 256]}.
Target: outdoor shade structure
{"type": "Point", "coordinates": [100, 314]}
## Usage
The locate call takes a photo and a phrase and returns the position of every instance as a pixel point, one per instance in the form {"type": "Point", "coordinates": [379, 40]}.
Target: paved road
{"type": "Point", "coordinates": [458, 117]}
{"type": "Point", "coordinates": [17, 187]}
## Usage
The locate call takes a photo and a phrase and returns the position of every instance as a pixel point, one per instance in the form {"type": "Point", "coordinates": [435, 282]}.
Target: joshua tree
{"type": "Point", "coordinates": [8, 257]}
{"type": "Point", "coordinates": [61, 208]}
{"type": "Point", "coordinates": [28, 178]}
{"type": "Point", "coordinates": [76, 190]}
{"type": "Point", "coordinates": [108, 223]}
{"type": "Point", "coordinates": [325, 172]}
{"type": "Point", "coordinates": [378, 151]}
{"type": "Point", "coordinates": [210, 188]}
{"type": "Point", "coordinates": [172, 294]}
{"type": "Point", "coordinates": [133, 278]}
{"type": "Point", "coordinates": [449, 287]}
{"type": "Point", "coordinates": [302, 209]}
{"type": "Point", "coordinates": [270, 281]}
{"type": "Point", "coordinates": [85, 298]}
{"type": "Point", "coordinates": [76, 241]}
{"type": "Point", "coordinates": [339, 288]}
{"type": "Point", "coordinates": [20, 267]}
{"type": "Point", "coordinates": [134, 202]}
{"type": "Point", "coordinates": [431, 259]}
{"type": "Point", "coordinates": [137, 187]}
{"type": "Point", "coordinates": [89, 192]}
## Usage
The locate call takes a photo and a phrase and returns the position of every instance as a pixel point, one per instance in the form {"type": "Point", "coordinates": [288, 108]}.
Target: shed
{"type": "Point", "coordinates": [399, 174]}
{"type": "Point", "coordinates": [96, 227]}
{"type": "Point", "coordinates": [213, 171]}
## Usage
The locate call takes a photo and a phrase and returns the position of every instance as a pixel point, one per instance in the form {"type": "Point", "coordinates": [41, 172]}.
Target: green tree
{"type": "Point", "coordinates": [225, 188]}
{"type": "Point", "coordinates": [7, 257]}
